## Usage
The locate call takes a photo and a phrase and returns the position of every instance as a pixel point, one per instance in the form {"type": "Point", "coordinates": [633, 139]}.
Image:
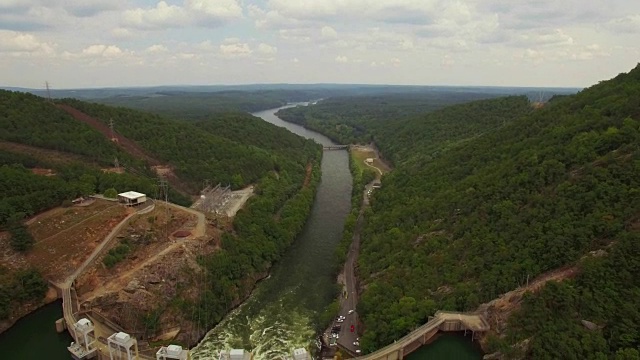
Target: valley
{"type": "Point", "coordinates": [484, 214]}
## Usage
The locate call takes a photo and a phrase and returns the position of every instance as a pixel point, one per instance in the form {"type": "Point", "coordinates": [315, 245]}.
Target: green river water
{"type": "Point", "coordinates": [282, 312]}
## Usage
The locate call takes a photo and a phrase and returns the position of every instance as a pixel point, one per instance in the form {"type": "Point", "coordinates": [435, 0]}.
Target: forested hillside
{"type": "Point", "coordinates": [525, 193]}
{"type": "Point", "coordinates": [358, 119]}
{"type": "Point", "coordinates": [233, 148]}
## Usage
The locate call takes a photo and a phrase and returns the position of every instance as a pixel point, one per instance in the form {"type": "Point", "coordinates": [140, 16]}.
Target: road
{"type": "Point", "coordinates": [347, 337]}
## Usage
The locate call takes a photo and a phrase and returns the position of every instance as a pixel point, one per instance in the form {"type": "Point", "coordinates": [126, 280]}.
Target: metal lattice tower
{"type": "Point", "coordinates": [46, 83]}
{"type": "Point", "coordinates": [113, 133]}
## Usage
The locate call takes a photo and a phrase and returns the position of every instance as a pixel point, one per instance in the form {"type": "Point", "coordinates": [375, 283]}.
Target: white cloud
{"type": "Point", "coordinates": [191, 13]}
{"type": "Point", "coordinates": [160, 17]}
{"type": "Point", "coordinates": [628, 24]}
{"type": "Point", "coordinates": [267, 49]}
{"type": "Point", "coordinates": [156, 49]}
{"type": "Point", "coordinates": [235, 50]}
{"type": "Point", "coordinates": [389, 11]}
{"type": "Point", "coordinates": [341, 59]}
{"type": "Point", "coordinates": [328, 32]}
{"type": "Point", "coordinates": [19, 43]}
{"type": "Point", "coordinates": [108, 51]}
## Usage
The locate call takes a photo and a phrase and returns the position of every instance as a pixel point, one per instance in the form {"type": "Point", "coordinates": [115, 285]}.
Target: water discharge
{"type": "Point", "coordinates": [282, 313]}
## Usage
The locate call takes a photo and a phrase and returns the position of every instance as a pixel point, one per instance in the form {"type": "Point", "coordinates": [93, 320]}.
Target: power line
{"type": "Point", "coordinates": [46, 83]}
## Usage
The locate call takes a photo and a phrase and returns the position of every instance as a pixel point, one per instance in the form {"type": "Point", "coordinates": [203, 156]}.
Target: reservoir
{"type": "Point", "coordinates": [34, 337]}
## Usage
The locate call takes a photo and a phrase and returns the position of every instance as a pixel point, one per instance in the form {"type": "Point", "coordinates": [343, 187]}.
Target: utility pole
{"type": "Point", "coordinates": [46, 83]}
{"type": "Point", "coordinates": [113, 136]}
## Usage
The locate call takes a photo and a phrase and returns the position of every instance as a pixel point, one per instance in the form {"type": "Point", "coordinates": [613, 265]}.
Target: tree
{"type": "Point", "coordinates": [111, 193]}
{"type": "Point", "coordinates": [21, 240]}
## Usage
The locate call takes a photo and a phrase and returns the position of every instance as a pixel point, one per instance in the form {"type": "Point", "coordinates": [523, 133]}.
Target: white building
{"type": "Point", "coordinates": [234, 354]}
{"type": "Point", "coordinates": [301, 354]}
{"type": "Point", "coordinates": [173, 352]}
{"type": "Point", "coordinates": [132, 198]}
{"type": "Point", "coordinates": [85, 347]}
{"type": "Point", "coordinates": [122, 346]}
{"type": "Point", "coordinates": [369, 161]}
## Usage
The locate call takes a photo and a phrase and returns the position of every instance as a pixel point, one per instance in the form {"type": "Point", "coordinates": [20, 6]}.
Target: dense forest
{"type": "Point", "coordinates": [487, 194]}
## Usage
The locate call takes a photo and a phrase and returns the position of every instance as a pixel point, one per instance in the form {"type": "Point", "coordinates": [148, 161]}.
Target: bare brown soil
{"type": "Point", "coordinates": [66, 239]}
{"type": "Point", "coordinates": [43, 172]}
{"type": "Point", "coordinates": [41, 153]}
{"type": "Point", "coordinates": [307, 176]}
{"type": "Point", "coordinates": [159, 268]}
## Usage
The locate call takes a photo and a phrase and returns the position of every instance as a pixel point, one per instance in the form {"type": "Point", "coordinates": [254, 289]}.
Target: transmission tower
{"type": "Point", "coordinates": [116, 163]}
{"type": "Point", "coordinates": [113, 134]}
{"type": "Point", "coordinates": [46, 83]}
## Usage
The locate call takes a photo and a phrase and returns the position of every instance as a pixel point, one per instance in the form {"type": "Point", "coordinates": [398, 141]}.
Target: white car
{"type": "Point", "coordinates": [358, 351]}
{"type": "Point", "coordinates": [350, 312]}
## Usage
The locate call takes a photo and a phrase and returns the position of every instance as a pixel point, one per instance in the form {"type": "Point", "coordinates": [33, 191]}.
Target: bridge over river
{"type": "Point", "coordinates": [441, 321]}
{"type": "Point", "coordinates": [335, 147]}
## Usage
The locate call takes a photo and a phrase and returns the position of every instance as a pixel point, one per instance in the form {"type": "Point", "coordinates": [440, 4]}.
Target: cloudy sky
{"type": "Point", "coordinates": [96, 43]}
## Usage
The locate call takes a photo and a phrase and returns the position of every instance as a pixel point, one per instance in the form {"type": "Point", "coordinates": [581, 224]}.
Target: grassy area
{"type": "Point", "coordinates": [361, 154]}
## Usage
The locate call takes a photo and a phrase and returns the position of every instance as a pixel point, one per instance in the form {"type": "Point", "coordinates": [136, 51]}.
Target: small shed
{"type": "Point", "coordinates": [132, 198]}
{"type": "Point", "coordinates": [369, 161]}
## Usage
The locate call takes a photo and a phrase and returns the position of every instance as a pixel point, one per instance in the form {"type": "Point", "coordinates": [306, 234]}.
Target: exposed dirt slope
{"type": "Point", "coordinates": [125, 143]}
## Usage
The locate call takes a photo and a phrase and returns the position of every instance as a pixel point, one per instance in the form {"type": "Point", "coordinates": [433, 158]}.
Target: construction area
{"type": "Point", "coordinates": [141, 273]}
{"type": "Point", "coordinates": [221, 201]}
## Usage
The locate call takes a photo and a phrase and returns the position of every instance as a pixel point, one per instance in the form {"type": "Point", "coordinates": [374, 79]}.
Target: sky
{"type": "Point", "coordinates": [108, 43]}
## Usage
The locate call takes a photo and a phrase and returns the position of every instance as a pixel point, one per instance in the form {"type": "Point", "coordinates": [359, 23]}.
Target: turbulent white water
{"type": "Point", "coordinates": [270, 333]}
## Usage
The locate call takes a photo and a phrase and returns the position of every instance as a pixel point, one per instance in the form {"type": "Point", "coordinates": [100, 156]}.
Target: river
{"type": "Point", "coordinates": [282, 313]}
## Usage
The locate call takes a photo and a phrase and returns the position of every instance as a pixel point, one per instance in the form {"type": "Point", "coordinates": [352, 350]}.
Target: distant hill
{"type": "Point", "coordinates": [365, 117]}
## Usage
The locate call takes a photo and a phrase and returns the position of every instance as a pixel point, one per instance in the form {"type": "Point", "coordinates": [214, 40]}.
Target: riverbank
{"type": "Point", "coordinates": [27, 309]}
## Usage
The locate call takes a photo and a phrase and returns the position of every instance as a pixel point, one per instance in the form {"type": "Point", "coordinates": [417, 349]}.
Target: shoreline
{"type": "Point", "coordinates": [27, 309]}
